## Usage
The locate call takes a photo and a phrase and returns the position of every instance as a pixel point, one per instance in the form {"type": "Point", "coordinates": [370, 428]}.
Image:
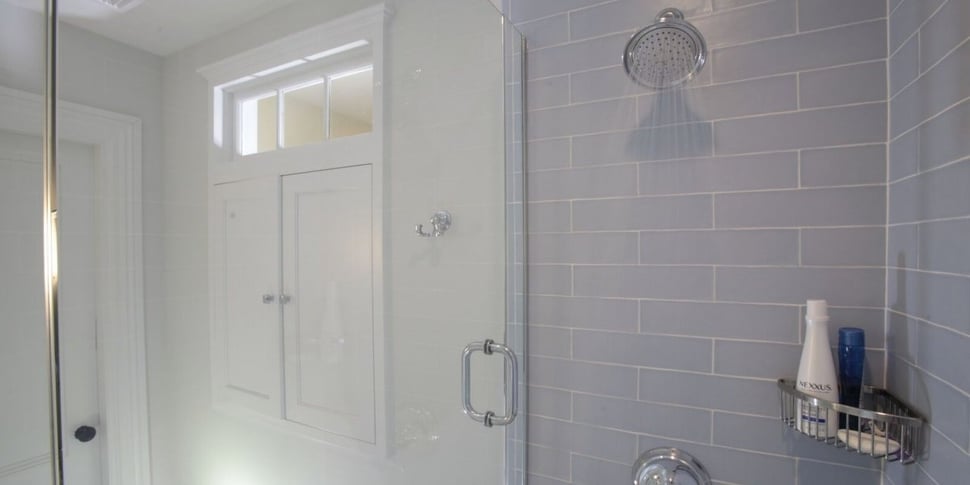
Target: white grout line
{"type": "Point", "coordinates": [712, 429]}
{"type": "Point", "coordinates": [631, 30]}
{"type": "Point", "coordinates": [923, 73]}
{"type": "Point", "coordinates": [572, 280]}
{"type": "Point", "coordinates": [713, 355]}
{"type": "Point", "coordinates": [634, 197]}
{"type": "Point", "coordinates": [895, 9]}
{"type": "Point", "coordinates": [928, 322]}
{"type": "Point", "coordinates": [919, 172]}
{"type": "Point", "coordinates": [927, 221]}
{"type": "Point", "coordinates": [917, 29]}
{"type": "Point", "coordinates": [637, 127]}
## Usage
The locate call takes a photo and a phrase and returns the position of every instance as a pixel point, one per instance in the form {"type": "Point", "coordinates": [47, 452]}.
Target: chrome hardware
{"type": "Point", "coordinates": [489, 418]}
{"type": "Point", "coordinates": [284, 299]}
{"type": "Point", "coordinates": [440, 222]}
{"type": "Point", "coordinates": [882, 426]}
{"type": "Point", "coordinates": [668, 466]}
{"type": "Point", "coordinates": [668, 53]}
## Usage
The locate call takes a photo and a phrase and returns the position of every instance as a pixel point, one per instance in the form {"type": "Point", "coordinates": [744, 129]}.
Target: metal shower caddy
{"type": "Point", "coordinates": [884, 427]}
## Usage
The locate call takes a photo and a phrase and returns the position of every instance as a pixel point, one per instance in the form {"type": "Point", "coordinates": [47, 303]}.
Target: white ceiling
{"type": "Point", "coordinates": [160, 26]}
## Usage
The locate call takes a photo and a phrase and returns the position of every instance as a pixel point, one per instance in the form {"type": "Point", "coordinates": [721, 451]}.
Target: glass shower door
{"type": "Point", "coordinates": [258, 215]}
{"type": "Point", "coordinates": [87, 271]}
{"type": "Point", "coordinates": [24, 421]}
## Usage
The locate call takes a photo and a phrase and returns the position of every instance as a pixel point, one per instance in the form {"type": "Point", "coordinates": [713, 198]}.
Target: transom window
{"type": "Point", "coordinates": [305, 109]}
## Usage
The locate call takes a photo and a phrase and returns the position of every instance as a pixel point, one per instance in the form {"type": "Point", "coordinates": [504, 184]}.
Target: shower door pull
{"type": "Point", "coordinates": [489, 418]}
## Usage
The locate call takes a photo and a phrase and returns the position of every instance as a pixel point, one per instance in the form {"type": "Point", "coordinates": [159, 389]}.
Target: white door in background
{"type": "Point", "coordinates": [24, 422]}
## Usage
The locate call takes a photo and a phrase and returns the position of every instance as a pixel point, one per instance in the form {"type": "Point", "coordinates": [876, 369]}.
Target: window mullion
{"type": "Point", "coordinates": [280, 117]}
{"type": "Point", "coordinates": [326, 108]}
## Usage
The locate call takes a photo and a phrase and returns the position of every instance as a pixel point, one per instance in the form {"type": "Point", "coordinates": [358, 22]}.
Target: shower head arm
{"type": "Point", "coordinates": [670, 14]}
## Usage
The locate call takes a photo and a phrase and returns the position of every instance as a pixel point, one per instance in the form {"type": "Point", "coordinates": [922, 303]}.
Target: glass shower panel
{"type": "Point", "coordinates": [516, 280]}
{"type": "Point", "coordinates": [275, 295]}
{"type": "Point", "coordinates": [447, 153]}
{"type": "Point", "coordinates": [24, 420]}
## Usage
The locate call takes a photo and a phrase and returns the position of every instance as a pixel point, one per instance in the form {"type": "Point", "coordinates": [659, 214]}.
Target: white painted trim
{"type": "Point", "coordinates": [366, 24]}
{"type": "Point", "coordinates": [122, 367]}
{"type": "Point", "coordinates": [297, 46]}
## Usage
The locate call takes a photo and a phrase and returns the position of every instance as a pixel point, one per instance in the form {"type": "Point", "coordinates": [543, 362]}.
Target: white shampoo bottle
{"type": "Point", "coordinates": [816, 374]}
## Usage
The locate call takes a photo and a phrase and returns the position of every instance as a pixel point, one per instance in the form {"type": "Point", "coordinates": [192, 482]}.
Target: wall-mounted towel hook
{"type": "Point", "coordinates": [440, 222]}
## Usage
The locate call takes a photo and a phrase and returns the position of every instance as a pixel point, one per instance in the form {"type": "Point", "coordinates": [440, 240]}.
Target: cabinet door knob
{"type": "Point", "coordinates": [284, 299]}
{"type": "Point", "coordinates": [267, 299]}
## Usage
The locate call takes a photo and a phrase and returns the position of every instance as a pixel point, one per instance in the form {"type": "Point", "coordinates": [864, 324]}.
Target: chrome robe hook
{"type": "Point", "coordinates": [440, 222]}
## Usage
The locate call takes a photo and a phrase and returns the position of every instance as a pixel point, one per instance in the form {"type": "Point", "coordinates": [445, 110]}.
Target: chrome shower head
{"type": "Point", "coordinates": [667, 53]}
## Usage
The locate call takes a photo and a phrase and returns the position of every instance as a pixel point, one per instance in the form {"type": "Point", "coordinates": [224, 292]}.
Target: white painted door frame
{"type": "Point", "coordinates": [122, 368]}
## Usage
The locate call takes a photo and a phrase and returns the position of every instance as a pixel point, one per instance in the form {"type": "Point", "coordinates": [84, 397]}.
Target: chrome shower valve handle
{"type": "Point", "coordinates": [440, 222]}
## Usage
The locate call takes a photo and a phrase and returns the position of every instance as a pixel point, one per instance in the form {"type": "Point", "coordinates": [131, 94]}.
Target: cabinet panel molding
{"type": "Point", "coordinates": [328, 321]}
{"type": "Point", "coordinates": [245, 329]}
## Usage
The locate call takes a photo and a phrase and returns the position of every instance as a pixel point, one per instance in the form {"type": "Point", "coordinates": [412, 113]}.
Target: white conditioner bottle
{"type": "Point", "coordinates": [816, 374]}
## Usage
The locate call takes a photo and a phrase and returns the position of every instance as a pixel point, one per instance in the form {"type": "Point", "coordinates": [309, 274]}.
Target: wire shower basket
{"type": "Point", "coordinates": [882, 427]}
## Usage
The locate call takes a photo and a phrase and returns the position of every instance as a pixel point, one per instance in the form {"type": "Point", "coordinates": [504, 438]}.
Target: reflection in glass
{"type": "Point", "coordinates": [351, 103]}
{"type": "Point", "coordinates": [303, 114]}
{"type": "Point", "coordinates": [24, 421]}
{"type": "Point", "coordinates": [258, 124]}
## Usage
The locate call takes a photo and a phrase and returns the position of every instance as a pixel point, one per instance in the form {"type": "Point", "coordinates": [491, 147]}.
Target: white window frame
{"type": "Point", "coordinates": [341, 43]}
{"type": "Point", "coordinates": [277, 86]}
{"type": "Point", "coordinates": [241, 132]}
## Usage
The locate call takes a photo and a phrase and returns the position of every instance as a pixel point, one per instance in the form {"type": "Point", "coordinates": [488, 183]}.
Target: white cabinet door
{"type": "Point", "coordinates": [329, 320]}
{"type": "Point", "coordinates": [244, 245]}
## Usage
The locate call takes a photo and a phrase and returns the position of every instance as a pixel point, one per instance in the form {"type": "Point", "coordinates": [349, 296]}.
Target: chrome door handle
{"type": "Point", "coordinates": [489, 418]}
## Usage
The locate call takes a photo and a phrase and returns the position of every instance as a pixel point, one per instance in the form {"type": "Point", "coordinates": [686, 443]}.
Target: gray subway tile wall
{"type": "Point", "coordinates": [777, 170]}
{"type": "Point", "coordinates": [590, 471]}
{"type": "Point", "coordinates": [675, 235]}
{"type": "Point", "coordinates": [928, 284]}
{"type": "Point", "coordinates": [854, 165]}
